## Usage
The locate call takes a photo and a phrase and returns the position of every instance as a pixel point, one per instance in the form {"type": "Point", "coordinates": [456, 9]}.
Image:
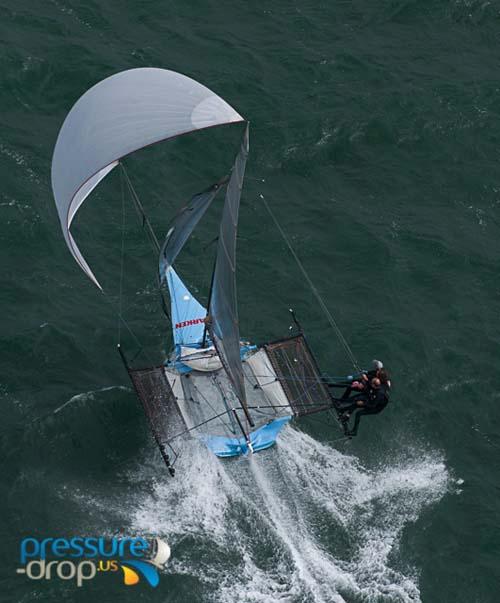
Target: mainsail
{"type": "Point", "coordinates": [223, 311]}
{"type": "Point", "coordinates": [183, 225]}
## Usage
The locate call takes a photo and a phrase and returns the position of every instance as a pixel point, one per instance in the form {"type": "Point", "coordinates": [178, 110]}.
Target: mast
{"type": "Point", "coordinates": [207, 319]}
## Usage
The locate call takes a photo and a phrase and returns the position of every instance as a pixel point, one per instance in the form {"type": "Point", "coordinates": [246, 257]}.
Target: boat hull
{"type": "Point", "coordinates": [260, 439]}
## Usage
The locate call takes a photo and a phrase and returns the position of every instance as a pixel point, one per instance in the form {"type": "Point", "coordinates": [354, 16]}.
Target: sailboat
{"type": "Point", "coordinates": [234, 395]}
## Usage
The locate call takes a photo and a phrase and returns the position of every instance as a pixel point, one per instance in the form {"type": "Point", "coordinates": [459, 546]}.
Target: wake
{"type": "Point", "coordinates": [299, 522]}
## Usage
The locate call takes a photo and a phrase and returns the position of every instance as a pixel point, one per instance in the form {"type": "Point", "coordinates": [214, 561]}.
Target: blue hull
{"type": "Point", "coordinates": [261, 438]}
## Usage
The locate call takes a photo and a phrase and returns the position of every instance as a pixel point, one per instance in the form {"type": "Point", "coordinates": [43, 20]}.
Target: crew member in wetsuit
{"type": "Point", "coordinates": [362, 384]}
{"type": "Point", "coordinates": [371, 397]}
{"type": "Point", "coordinates": [377, 398]}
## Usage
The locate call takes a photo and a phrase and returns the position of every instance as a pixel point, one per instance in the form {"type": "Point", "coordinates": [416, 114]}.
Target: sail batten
{"type": "Point", "coordinates": [223, 311]}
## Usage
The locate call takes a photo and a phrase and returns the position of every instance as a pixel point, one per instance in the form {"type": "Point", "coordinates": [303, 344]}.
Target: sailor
{"type": "Point", "coordinates": [372, 398]}
{"type": "Point", "coordinates": [362, 384]}
{"type": "Point", "coordinates": [379, 371]}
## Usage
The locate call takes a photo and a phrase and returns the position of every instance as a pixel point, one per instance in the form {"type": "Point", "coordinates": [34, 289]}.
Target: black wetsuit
{"type": "Point", "coordinates": [375, 400]}
{"type": "Point", "coordinates": [360, 394]}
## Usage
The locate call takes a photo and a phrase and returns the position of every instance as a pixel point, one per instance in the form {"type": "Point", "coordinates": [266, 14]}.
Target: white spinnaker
{"type": "Point", "coordinates": [119, 115]}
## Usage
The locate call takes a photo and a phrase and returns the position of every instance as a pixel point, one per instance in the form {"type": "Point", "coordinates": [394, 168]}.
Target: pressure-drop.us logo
{"type": "Point", "coordinates": [83, 558]}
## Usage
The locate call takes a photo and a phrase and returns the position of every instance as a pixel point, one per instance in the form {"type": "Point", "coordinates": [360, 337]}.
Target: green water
{"type": "Point", "coordinates": [375, 129]}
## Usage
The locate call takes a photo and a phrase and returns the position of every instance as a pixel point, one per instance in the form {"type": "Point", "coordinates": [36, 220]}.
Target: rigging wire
{"type": "Point", "coordinates": [149, 228]}
{"type": "Point", "coordinates": [233, 426]}
{"type": "Point", "coordinates": [326, 311]}
{"type": "Point", "coordinates": [208, 402]}
{"type": "Point", "coordinates": [128, 327]}
{"type": "Point", "coordinates": [118, 307]}
{"type": "Point", "coordinates": [236, 408]}
{"type": "Point", "coordinates": [140, 210]}
{"type": "Point", "coordinates": [122, 257]}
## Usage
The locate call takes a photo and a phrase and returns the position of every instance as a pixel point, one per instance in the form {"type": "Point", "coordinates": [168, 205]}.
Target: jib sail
{"type": "Point", "coordinates": [188, 315]}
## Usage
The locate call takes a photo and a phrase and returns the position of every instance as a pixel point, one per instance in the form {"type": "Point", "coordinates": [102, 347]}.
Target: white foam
{"type": "Point", "coordinates": [87, 396]}
{"type": "Point", "coordinates": [299, 522]}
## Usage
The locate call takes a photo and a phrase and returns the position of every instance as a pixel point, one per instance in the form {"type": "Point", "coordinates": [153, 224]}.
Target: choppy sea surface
{"type": "Point", "coordinates": [375, 131]}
